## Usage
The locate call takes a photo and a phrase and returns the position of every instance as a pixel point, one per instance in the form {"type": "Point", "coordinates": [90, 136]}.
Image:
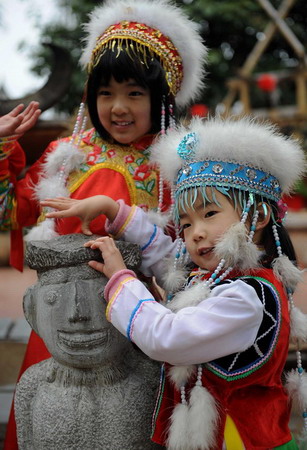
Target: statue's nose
{"type": "Point", "coordinates": [78, 306]}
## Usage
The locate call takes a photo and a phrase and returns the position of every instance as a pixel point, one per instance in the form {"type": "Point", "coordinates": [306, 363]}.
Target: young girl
{"type": "Point", "coordinates": [224, 332]}
{"type": "Point", "coordinates": [140, 70]}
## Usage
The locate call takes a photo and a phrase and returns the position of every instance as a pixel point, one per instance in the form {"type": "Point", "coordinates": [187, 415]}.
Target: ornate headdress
{"type": "Point", "coordinates": [157, 26]}
{"type": "Point", "coordinates": [144, 29]}
{"type": "Point", "coordinates": [241, 154]}
{"type": "Point", "coordinates": [256, 164]}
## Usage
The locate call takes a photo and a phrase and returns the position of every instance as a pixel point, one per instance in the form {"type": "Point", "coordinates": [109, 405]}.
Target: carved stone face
{"type": "Point", "coordinates": [70, 318]}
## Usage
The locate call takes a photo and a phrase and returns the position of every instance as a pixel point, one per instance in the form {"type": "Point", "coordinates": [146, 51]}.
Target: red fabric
{"type": "Point", "coordinates": [245, 399]}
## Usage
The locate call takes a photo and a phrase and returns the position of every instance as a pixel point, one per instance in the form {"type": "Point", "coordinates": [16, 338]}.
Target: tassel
{"type": "Point", "coordinates": [160, 219]}
{"type": "Point", "coordinates": [296, 385]}
{"type": "Point", "coordinates": [202, 419]}
{"type": "Point", "coordinates": [178, 430]}
{"type": "Point", "coordinates": [234, 248]}
{"type": "Point", "coordinates": [174, 278]}
{"type": "Point", "coordinates": [298, 324]}
{"type": "Point", "coordinates": [179, 375]}
{"type": "Point", "coordinates": [286, 272]}
{"type": "Point", "coordinates": [189, 297]}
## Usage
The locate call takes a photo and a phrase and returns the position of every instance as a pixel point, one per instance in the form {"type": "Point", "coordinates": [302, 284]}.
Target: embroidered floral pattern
{"type": "Point", "coordinates": [7, 145]}
{"type": "Point", "coordinates": [136, 161]}
{"type": "Point", "coordinates": [6, 205]}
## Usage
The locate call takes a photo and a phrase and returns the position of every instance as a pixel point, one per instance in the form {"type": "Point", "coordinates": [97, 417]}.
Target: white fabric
{"type": "Point", "coordinates": [225, 323]}
{"type": "Point", "coordinates": [158, 247]}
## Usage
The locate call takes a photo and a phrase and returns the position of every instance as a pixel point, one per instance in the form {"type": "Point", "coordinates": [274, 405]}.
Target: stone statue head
{"type": "Point", "coordinates": [66, 306]}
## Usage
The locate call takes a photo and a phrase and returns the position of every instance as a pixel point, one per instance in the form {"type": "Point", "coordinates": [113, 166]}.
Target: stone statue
{"type": "Point", "coordinates": [97, 391]}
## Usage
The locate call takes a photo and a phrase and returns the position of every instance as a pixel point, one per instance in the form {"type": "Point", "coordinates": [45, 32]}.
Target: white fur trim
{"type": "Point", "coordinates": [166, 17]}
{"type": "Point", "coordinates": [178, 430]}
{"type": "Point", "coordinates": [286, 272]}
{"type": "Point", "coordinates": [179, 375]}
{"type": "Point", "coordinates": [298, 324]}
{"type": "Point", "coordinates": [202, 419]}
{"type": "Point", "coordinates": [296, 385]}
{"type": "Point", "coordinates": [189, 297]}
{"type": "Point", "coordinates": [160, 219]}
{"type": "Point", "coordinates": [64, 151]}
{"type": "Point", "coordinates": [234, 248]}
{"type": "Point", "coordinates": [173, 278]}
{"type": "Point", "coordinates": [43, 231]}
{"type": "Point", "coordinates": [50, 187]}
{"type": "Point", "coordinates": [49, 184]}
{"type": "Point", "coordinates": [244, 141]}
{"type": "Point", "coordinates": [68, 156]}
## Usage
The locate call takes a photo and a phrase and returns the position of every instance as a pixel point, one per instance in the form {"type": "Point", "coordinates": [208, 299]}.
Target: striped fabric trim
{"type": "Point", "coordinates": [115, 295]}
{"type": "Point", "coordinates": [134, 314]}
{"type": "Point", "coordinates": [7, 145]}
{"type": "Point", "coordinates": [127, 221]}
{"type": "Point", "coordinates": [154, 233]}
{"type": "Point", "coordinates": [158, 400]}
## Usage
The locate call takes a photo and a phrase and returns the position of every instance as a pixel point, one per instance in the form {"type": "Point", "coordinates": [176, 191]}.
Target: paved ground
{"type": "Point", "coordinates": [14, 334]}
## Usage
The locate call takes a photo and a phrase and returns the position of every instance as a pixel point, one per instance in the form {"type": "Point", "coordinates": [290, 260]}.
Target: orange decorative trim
{"type": "Point", "coordinates": [115, 295]}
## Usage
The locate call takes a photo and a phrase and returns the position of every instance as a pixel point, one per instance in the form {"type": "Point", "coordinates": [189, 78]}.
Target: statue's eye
{"type": "Point", "coordinates": [51, 297]}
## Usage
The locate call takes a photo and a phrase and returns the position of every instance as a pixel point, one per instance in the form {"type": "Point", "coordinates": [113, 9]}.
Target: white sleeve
{"type": "Point", "coordinates": [227, 322]}
{"type": "Point", "coordinates": [156, 246]}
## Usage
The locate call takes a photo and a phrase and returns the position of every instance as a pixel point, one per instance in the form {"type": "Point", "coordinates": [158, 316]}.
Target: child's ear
{"type": "Point", "coordinates": [264, 215]}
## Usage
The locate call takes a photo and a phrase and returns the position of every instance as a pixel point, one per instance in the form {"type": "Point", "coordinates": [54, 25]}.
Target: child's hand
{"type": "Point", "coordinates": [86, 209]}
{"type": "Point", "coordinates": [19, 120]}
{"type": "Point", "coordinates": [113, 260]}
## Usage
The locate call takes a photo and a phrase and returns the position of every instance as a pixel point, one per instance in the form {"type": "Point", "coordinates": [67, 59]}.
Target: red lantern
{"type": "Point", "coordinates": [199, 109]}
{"type": "Point", "coordinates": [267, 82]}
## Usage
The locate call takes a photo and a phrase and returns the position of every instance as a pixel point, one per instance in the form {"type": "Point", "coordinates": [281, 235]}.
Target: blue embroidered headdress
{"type": "Point", "coordinates": [213, 172]}
{"type": "Point", "coordinates": [243, 155]}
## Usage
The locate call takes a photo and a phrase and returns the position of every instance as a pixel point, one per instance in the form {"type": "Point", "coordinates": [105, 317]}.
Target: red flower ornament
{"type": "Point", "coordinates": [142, 172]}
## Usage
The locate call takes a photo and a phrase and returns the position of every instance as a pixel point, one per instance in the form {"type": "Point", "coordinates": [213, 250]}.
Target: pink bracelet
{"type": "Point", "coordinates": [123, 213]}
{"type": "Point", "coordinates": [115, 280]}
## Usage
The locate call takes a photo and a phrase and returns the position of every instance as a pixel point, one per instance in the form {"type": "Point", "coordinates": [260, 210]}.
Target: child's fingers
{"type": "Point", "coordinates": [97, 266]}
{"type": "Point", "coordinates": [17, 110]}
{"type": "Point", "coordinates": [96, 243]}
{"type": "Point", "coordinates": [85, 227]}
{"type": "Point", "coordinates": [57, 203]}
{"type": "Point", "coordinates": [58, 214]}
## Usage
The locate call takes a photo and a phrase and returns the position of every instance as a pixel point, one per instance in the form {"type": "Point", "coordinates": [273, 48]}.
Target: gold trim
{"type": "Point", "coordinates": [14, 222]}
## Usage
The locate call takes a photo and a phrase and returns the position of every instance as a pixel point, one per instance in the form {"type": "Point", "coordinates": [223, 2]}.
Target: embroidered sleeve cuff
{"type": "Point", "coordinates": [124, 215]}
{"type": "Point", "coordinates": [115, 280]}
{"type": "Point", "coordinates": [7, 145]}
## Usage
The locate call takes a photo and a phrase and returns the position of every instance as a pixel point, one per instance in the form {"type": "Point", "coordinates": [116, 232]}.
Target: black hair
{"type": "Point", "coordinates": [147, 72]}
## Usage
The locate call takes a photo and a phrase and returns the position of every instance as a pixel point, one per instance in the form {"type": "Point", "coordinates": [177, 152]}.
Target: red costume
{"type": "Point", "coordinates": [253, 385]}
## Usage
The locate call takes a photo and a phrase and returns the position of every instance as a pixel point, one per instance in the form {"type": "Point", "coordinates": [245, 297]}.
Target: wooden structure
{"type": "Point", "coordinates": [240, 87]}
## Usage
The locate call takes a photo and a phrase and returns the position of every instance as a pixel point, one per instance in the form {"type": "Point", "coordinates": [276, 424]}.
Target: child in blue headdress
{"type": "Point", "coordinates": [224, 331]}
